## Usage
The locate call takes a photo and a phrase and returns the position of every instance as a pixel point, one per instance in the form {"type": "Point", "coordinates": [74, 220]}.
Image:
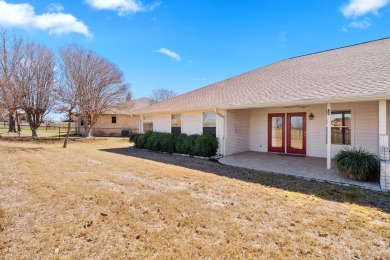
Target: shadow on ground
{"type": "Point", "coordinates": [322, 190]}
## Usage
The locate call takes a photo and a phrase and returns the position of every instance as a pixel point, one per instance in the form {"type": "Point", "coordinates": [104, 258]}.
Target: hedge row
{"type": "Point", "coordinates": [199, 145]}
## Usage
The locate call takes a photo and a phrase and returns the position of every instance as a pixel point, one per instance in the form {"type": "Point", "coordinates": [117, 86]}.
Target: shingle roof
{"type": "Point", "coordinates": [357, 71]}
{"type": "Point", "coordinates": [129, 107]}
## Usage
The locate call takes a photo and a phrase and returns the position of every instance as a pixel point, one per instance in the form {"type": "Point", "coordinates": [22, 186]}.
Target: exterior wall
{"type": "Point", "coordinates": [105, 127]}
{"type": "Point", "coordinates": [191, 123]}
{"type": "Point", "coordinates": [364, 127]}
{"type": "Point", "coordinates": [162, 123]}
{"type": "Point", "coordinates": [237, 131]}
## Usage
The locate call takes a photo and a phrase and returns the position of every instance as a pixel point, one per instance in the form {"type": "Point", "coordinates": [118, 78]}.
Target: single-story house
{"type": "Point", "coordinates": [118, 120]}
{"type": "Point", "coordinates": [312, 105]}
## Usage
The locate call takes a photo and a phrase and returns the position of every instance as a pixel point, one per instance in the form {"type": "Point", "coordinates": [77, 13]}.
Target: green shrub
{"type": "Point", "coordinates": [182, 144]}
{"type": "Point", "coordinates": [200, 145]}
{"type": "Point", "coordinates": [205, 145]}
{"type": "Point", "coordinates": [134, 137]}
{"type": "Point", "coordinates": [141, 140]}
{"type": "Point", "coordinates": [358, 164]}
{"type": "Point", "coordinates": [168, 143]}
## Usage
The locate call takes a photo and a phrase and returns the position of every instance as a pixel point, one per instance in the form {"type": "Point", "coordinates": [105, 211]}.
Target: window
{"type": "Point", "coordinates": [176, 124]}
{"type": "Point", "coordinates": [147, 123]}
{"type": "Point", "coordinates": [113, 119]}
{"type": "Point", "coordinates": [209, 123]}
{"type": "Point", "coordinates": [81, 122]}
{"type": "Point", "coordinates": [341, 127]}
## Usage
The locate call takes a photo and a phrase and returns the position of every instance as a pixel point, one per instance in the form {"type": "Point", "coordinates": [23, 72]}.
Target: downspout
{"type": "Point", "coordinates": [223, 150]}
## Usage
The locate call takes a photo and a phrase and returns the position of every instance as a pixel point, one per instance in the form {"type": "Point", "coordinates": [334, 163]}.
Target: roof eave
{"type": "Point", "coordinates": [275, 104]}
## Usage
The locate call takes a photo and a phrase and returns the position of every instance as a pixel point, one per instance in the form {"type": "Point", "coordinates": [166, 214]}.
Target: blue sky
{"type": "Point", "coordinates": [187, 44]}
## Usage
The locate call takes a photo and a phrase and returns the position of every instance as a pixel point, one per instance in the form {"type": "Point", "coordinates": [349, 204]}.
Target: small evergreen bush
{"type": "Point", "coordinates": [199, 145]}
{"type": "Point", "coordinates": [205, 145]}
{"type": "Point", "coordinates": [358, 164]}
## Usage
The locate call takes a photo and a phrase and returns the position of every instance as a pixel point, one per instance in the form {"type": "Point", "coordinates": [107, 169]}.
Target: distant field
{"type": "Point", "coordinates": [97, 199]}
{"type": "Point", "coordinates": [52, 130]}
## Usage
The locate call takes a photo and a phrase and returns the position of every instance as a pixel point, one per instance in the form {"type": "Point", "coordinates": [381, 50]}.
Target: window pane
{"type": "Point", "coordinates": [341, 127]}
{"type": "Point", "coordinates": [296, 132]}
{"type": "Point", "coordinates": [347, 118]}
{"type": "Point", "coordinates": [176, 120]}
{"type": "Point", "coordinates": [277, 123]}
{"type": "Point", "coordinates": [209, 120]}
{"type": "Point", "coordinates": [176, 130]}
{"type": "Point", "coordinates": [210, 130]}
{"type": "Point", "coordinates": [336, 119]}
{"type": "Point", "coordinates": [148, 123]}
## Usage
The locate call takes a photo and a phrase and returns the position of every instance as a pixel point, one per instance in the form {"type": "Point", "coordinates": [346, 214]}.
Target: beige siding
{"type": "Point", "coordinates": [104, 125]}
{"type": "Point", "coordinates": [192, 123]}
{"type": "Point", "coordinates": [367, 126]}
{"type": "Point", "coordinates": [237, 131]}
{"type": "Point", "coordinates": [258, 130]}
{"type": "Point", "coordinates": [162, 123]}
{"type": "Point", "coordinates": [364, 127]}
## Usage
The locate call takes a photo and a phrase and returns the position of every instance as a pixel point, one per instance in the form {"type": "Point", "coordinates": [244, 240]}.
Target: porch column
{"type": "Point", "coordinates": [329, 135]}
{"type": "Point", "coordinates": [384, 147]}
{"type": "Point", "coordinates": [383, 137]}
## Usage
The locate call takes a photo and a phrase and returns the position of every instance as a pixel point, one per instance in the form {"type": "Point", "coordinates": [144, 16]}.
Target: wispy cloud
{"type": "Point", "coordinates": [55, 8]}
{"type": "Point", "coordinates": [55, 21]}
{"type": "Point", "coordinates": [362, 24]}
{"type": "Point", "coordinates": [169, 53]}
{"type": "Point", "coordinates": [356, 8]}
{"type": "Point", "coordinates": [282, 38]}
{"type": "Point", "coordinates": [123, 7]}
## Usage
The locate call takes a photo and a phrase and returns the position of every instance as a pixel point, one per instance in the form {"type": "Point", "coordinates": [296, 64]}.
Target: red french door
{"type": "Point", "coordinates": [276, 133]}
{"type": "Point", "coordinates": [294, 131]}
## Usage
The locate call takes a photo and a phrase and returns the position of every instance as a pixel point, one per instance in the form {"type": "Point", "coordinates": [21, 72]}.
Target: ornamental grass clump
{"type": "Point", "coordinates": [358, 164]}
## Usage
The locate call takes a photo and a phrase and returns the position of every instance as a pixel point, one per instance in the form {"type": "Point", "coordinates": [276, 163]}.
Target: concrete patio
{"type": "Point", "coordinates": [312, 168]}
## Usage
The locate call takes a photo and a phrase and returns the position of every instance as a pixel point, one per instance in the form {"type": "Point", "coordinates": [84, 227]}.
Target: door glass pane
{"type": "Point", "coordinates": [296, 132]}
{"type": "Point", "coordinates": [277, 131]}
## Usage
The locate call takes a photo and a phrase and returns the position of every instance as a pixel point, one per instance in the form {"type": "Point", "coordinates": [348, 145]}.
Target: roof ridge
{"type": "Point", "coordinates": [338, 48]}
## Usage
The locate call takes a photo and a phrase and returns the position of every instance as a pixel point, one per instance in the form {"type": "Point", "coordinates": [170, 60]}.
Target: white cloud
{"type": "Point", "coordinates": [363, 24]}
{"type": "Point", "coordinates": [357, 8]}
{"type": "Point", "coordinates": [55, 8]}
{"type": "Point", "coordinates": [55, 22]}
{"type": "Point", "coordinates": [169, 53]}
{"type": "Point", "coordinates": [123, 7]}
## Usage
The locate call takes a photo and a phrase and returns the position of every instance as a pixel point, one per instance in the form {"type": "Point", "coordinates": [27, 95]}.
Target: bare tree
{"type": "Point", "coordinates": [11, 55]}
{"type": "Point", "coordinates": [162, 94]}
{"type": "Point", "coordinates": [96, 83]}
{"type": "Point", "coordinates": [35, 79]}
{"type": "Point", "coordinates": [66, 92]}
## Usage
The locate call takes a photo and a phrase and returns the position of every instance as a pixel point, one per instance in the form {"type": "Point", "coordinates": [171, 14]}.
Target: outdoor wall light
{"type": "Point", "coordinates": [311, 116]}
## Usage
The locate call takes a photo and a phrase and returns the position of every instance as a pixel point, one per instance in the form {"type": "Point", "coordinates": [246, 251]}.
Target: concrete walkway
{"type": "Point", "coordinates": [313, 168]}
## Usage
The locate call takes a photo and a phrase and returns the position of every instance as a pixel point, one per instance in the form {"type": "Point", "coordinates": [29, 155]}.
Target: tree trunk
{"type": "Point", "coordinates": [34, 132]}
{"type": "Point", "coordinates": [88, 131]}
{"type": "Point", "coordinates": [67, 130]}
{"type": "Point", "coordinates": [18, 122]}
{"type": "Point", "coordinates": [11, 123]}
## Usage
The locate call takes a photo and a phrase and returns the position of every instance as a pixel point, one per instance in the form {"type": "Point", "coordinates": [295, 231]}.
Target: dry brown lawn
{"type": "Point", "coordinates": [100, 200]}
